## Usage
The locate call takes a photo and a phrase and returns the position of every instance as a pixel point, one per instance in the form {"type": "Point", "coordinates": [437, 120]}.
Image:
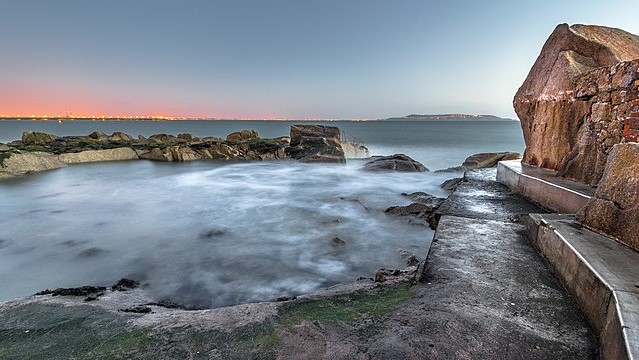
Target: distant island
{"type": "Point", "coordinates": [440, 117]}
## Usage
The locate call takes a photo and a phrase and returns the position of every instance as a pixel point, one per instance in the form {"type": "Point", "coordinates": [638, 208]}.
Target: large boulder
{"type": "Point", "coordinates": [298, 132]}
{"type": "Point", "coordinates": [614, 210]}
{"type": "Point", "coordinates": [484, 160]}
{"type": "Point", "coordinates": [397, 162]}
{"type": "Point", "coordinates": [316, 143]}
{"type": "Point", "coordinates": [555, 100]}
{"type": "Point", "coordinates": [34, 137]}
{"type": "Point", "coordinates": [242, 135]}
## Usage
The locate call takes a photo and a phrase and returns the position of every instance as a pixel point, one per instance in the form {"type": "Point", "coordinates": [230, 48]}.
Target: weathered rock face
{"type": "Point", "coordinates": [612, 101]}
{"type": "Point", "coordinates": [31, 137]}
{"type": "Point", "coordinates": [484, 160]}
{"type": "Point", "coordinates": [397, 162]}
{"type": "Point", "coordinates": [87, 156]}
{"type": "Point", "coordinates": [21, 163]}
{"type": "Point", "coordinates": [614, 210]}
{"type": "Point", "coordinates": [564, 84]}
{"type": "Point", "coordinates": [355, 151]}
{"type": "Point", "coordinates": [242, 135]}
{"type": "Point", "coordinates": [316, 143]}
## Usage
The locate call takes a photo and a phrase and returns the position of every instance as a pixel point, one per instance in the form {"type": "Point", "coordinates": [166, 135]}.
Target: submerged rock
{"type": "Point", "coordinates": [397, 162]}
{"type": "Point", "coordinates": [614, 210]}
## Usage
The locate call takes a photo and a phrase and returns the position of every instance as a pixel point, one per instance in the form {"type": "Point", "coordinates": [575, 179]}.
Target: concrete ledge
{"type": "Point", "coordinates": [543, 187]}
{"type": "Point", "coordinates": [600, 273]}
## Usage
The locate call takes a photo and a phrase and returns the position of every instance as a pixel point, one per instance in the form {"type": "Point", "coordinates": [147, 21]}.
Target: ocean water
{"type": "Point", "coordinates": [209, 233]}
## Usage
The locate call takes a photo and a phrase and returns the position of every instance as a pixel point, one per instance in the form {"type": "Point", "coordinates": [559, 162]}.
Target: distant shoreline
{"type": "Point", "coordinates": [412, 118]}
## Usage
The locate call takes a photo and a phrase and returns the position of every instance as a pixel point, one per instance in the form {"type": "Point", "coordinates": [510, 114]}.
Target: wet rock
{"type": "Point", "coordinates": [299, 132]}
{"type": "Point", "coordinates": [124, 285]}
{"type": "Point", "coordinates": [119, 136]}
{"type": "Point", "coordinates": [242, 135]}
{"type": "Point", "coordinates": [188, 137]}
{"type": "Point", "coordinates": [409, 257]}
{"type": "Point", "coordinates": [34, 137]}
{"type": "Point", "coordinates": [99, 136]}
{"type": "Point", "coordinates": [397, 162]}
{"type": "Point", "coordinates": [425, 198]}
{"type": "Point", "coordinates": [355, 151]}
{"type": "Point", "coordinates": [77, 291]}
{"type": "Point", "coordinates": [451, 184]}
{"type": "Point", "coordinates": [337, 241]}
{"type": "Point", "coordinates": [484, 160]}
{"type": "Point", "coordinates": [92, 252]}
{"type": "Point", "coordinates": [614, 209]}
{"type": "Point", "coordinates": [163, 138]}
{"type": "Point", "coordinates": [316, 144]}
{"type": "Point", "coordinates": [137, 310]}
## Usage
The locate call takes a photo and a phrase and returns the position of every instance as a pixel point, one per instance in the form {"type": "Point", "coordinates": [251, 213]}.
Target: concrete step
{"type": "Point", "coordinates": [543, 187]}
{"type": "Point", "coordinates": [601, 274]}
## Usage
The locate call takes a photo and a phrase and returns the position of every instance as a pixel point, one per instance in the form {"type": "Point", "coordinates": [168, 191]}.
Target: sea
{"type": "Point", "coordinates": [207, 234]}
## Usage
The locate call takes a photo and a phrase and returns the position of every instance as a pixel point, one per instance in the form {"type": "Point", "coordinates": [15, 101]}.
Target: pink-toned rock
{"type": "Point", "coordinates": [573, 71]}
{"type": "Point", "coordinates": [614, 210]}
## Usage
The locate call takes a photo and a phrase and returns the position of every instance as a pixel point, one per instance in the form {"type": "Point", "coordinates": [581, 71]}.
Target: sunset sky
{"type": "Point", "coordinates": [278, 59]}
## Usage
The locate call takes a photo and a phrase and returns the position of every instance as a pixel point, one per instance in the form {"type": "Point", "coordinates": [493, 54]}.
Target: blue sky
{"type": "Point", "coordinates": [278, 59]}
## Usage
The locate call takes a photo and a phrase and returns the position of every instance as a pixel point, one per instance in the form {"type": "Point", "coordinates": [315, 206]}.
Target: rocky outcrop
{"type": "Point", "coordinates": [24, 162]}
{"type": "Point", "coordinates": [614, 209]}
{"type": "Point", "coordinates": [88, 156]}
{"type": "Point", "coordinates": [397, 162]}
{"type": "Point", "coordinates": [242, 135]}
{"type": "Point", "coordinates": [575, 72]}
{"type": "Point", "coordinates": [31, 137]}
{"type": "Point", "coordinates": [316, 143]}
{"type": "Point", "coordinates": [484, 160]}
{"type": "Point", "coordinates": [355, 151]}
{"type": "Point", "coordinates": [612, 99]}
{"type": "Point", "coordinates": [423, 207]}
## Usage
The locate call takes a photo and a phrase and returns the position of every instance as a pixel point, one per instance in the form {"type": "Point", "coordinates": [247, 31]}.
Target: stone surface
{"type": "Point", "coordinates": [397, 162]}
{"type": "Point", "coordinates": [576, 69]}
{"type": "Point", "coordinates": [354, 151]}
{"type": "Point", "coordinates": [298, 132]}
{"type": "Point", "coordinates": [116, 154]}
{"type": "Point", "coordinates": [600, 275]}
{"type": "Point", "coordinates": [485, 160]}
{"type": "Point", "coordinates": [21, 163]}
{"type": "Point", "coordinates": [34, 137]}
{"type": "Point", "coordinates": [316, 143]}
{"type": "Point", "coordinates": [242, 135]}
{"type": "Point", "coordinates": [614, 209]}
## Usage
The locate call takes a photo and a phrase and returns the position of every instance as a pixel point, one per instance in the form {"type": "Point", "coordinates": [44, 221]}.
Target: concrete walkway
{"type": "Point", "coordinates": [487, 294]}
{"type": "Point", "coordinates": [601, 274]}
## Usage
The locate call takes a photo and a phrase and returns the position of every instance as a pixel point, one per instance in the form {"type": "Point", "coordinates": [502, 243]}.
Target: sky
{"type": "Point", "coordinates": [278, 59]}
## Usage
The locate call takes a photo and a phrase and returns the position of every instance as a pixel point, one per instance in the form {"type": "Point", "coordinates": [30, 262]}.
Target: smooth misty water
{"type": "Point", "coordinates": [216, 233]}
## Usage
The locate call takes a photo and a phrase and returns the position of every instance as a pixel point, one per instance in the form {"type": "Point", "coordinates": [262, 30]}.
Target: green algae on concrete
{"type": "Point", "coordinates": [347, 307]}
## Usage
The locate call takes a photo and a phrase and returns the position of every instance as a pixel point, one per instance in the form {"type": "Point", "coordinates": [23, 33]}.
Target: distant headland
{"type": "Point", "coordinates": [412, 117]}
{"type": "Point", "coordinates": [448, 117]}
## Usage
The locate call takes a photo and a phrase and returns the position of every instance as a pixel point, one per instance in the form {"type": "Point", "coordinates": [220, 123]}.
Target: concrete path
{"type": "Point", "coordinates": [487, 293]}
